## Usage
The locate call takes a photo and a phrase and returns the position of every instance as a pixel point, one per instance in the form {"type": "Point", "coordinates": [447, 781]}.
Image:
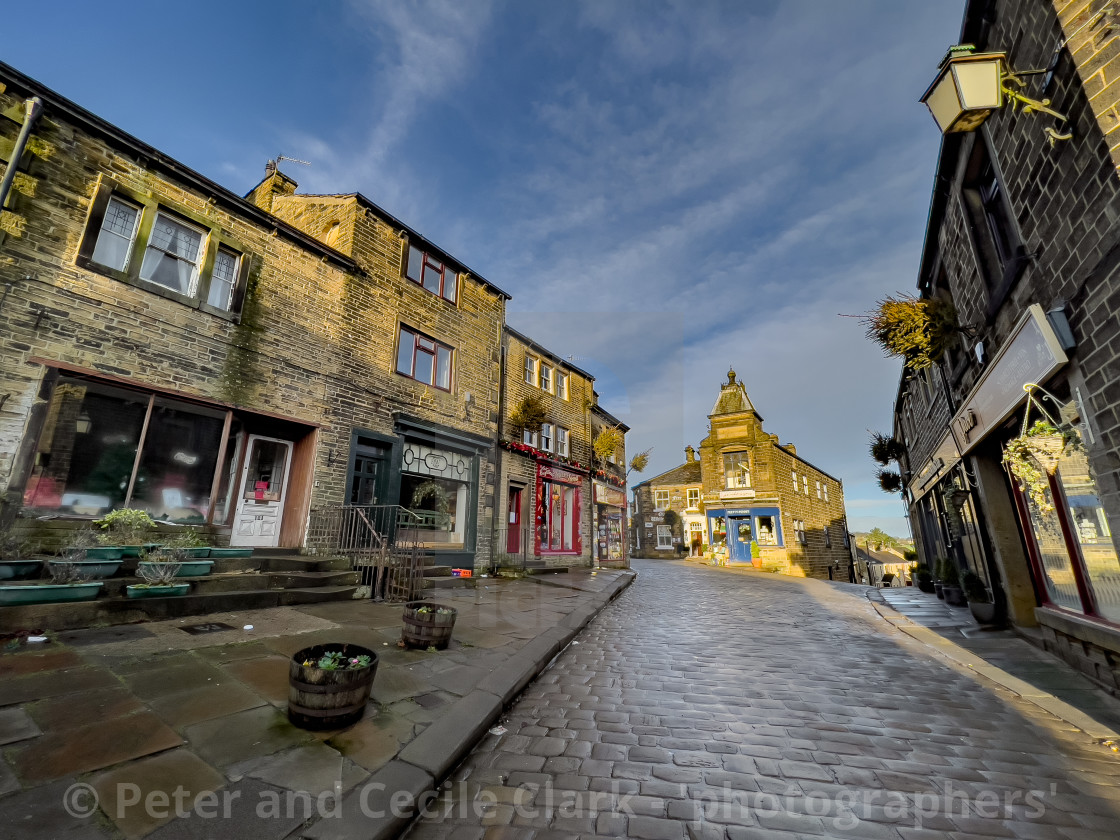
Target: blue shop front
{"type": "Point", "coordinates": [734, 529]}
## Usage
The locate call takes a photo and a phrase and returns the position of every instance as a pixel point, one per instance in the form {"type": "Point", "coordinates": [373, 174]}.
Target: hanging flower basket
{"type": "Point", "coordinates": [1033, 456]}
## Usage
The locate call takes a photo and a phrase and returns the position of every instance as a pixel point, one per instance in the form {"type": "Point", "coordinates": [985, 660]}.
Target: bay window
{"type": "Point", "coordinates": [424, 359]}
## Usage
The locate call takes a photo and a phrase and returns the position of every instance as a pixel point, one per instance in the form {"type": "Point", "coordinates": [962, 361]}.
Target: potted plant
{"type": "Point", "coordinates": [427, 624]}
{"type": "Point", "coordinates": [191, 551]}
{"type": "Point", "coordinates": [979, 600]}
{"type": "Point", "coordinates": [91, 560]}
{"type": "Point", "coordinates": [159, 573]}
{"type": "Point", "coordinates": [920, 572]}
{"type": "Point", "coordinates": [919, 330]}
{"type": "Point", "coordinates": [129, 529]}
{"type": "Point", "coordinates": [756, 554]}
{"type": "Point", "coordinates": [1033, 456]}
{"type": "Point", "coordinates": [15, 558]}
{"type": "Point", "coordinates": [329, 685]}
{"type": "Point", "coordinates": [954, 595]}
{"type": "Point", "coordinates": [939, 583]}
{"type": "Point", "coordinates": [68, 583]}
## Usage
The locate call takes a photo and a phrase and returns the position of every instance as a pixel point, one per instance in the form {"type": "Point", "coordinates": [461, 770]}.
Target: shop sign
{"type": "Point", "coordinates": [944, 458]}
{"type": "Point", "coordinates": [737, 494]}
{"type": "Point", "coordinates": [551, 473]}
{"type": "Point", "coordinates": [1031, 353]}
{"type": "Point", "coordinates": [607, 495]}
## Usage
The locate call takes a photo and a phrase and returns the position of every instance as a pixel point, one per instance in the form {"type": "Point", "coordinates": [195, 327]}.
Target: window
{"type": "Point", "coordinates": [995, 233]}
{"type": "Point", "coordinates": [693, 498]}
{"type": "Point", "coordinates": [799, 529]}
{"type": "Point", "coordinates": [532, 371]}
{"type": "Point", "coordinates": [562, 385]}
{"type": "Point", "coordinates": [546, 378]}
{"type": "Point", "coordinates": [805, 484]}
{"type": "Point", "coordinates": [736, 470]}
{"type": "Point", "coordinates": [664, 537]}
{"type": "Point", "coordinates": [826, 491]}
{"type": "Point", "coordinates": [435, 276]}
{"type": "Point", "coordinates": [529, 438]}
{"type": "Point", "coordinates": [562, 447]}
{"type": "Point", "coordinates": [436, 486]}
{"type": "Point", "coordinates": [660, 499]}
{"type": "Point", "coordinates": [546, 437]}
{"type": "Point", "coordinates": [559, 524]}
{"type": "Point", "coordinates": [819, 496]}
{"type": "Point", "coordinates": [793, 477]}
{"type": "Point", "coordinates": [174, 254]}
{"type": "Point", "coordinates": [827, 537]}
{"type": "Point", "coordinates": [424, 359]}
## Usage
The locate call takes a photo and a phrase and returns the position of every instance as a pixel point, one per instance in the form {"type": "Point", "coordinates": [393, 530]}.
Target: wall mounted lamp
{"type": "Point", "coordinates": [970, 85]}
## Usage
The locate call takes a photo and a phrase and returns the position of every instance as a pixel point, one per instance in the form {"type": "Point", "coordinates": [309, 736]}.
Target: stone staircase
{"type": "Point", "coordinates": [269, 578]}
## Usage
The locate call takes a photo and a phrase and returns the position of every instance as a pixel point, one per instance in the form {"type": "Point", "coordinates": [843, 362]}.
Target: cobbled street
{"type": "Point", "coordinates": [706, 703]}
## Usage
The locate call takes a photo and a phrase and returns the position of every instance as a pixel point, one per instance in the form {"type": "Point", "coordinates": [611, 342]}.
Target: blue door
{"type": "Point", "coordinates": [739, 535]}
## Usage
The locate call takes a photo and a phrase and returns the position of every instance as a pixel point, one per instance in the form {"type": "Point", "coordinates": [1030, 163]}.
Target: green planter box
{"type": "Point", "coordinates": [50, 593]}
{"type": "Point", "coordinates": [231, 552]}
{"type": "Point", "coordinates": [19, 569]}
{"type": "Point", "coordinates": [91, 568]}
{"type": "Point", "coordinates": [199, 553]}
{"type": "Point", "coordinates": [188, 568]}
{"type": "Point", "coordinates": [105, 552]}
{"type": "Point", "coordinates": [158, 591]}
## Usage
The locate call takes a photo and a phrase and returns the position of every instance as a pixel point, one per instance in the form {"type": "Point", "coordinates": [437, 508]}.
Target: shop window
{"type": "Point", "coordinates": [175, 254]}
{"type": "Point", "coordinates": [1089, 528]}
{"type": "Point", "coordinates": [719, 532]}
{"type": "Point", "coordinates": [559, 517]}
{"type": "Point", "coordinates": [435, 486]}
{"type": "Point", "coordinates": [86, 460]}
{"type": "Point", "coordinates": [767, 530]}
{"type": "Point", "coordinates": [424, 359]}
{"type": "Point", "coordinates": [693, 498]}
{"type": "Point", "coordinates": [736, 470]}
{"type": "Point", "coordinates": [437, 277]}
{"type": "Point", "coordinates": [660, 499]}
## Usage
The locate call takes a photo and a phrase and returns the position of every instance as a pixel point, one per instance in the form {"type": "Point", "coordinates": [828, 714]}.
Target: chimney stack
{"type": "Point", "coordinates": [689, 454]}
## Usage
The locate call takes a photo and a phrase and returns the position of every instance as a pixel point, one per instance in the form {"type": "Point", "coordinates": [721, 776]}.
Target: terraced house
{"type": "Point", "coordinates": [746, 499]}
{"type": "Point", "coordinates": [246, 364]}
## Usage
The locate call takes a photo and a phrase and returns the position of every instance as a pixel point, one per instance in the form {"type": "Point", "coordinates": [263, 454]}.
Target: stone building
{"type": "Point", "coordinates": [608, 489]}
{"type": "Point", "coordinates": [753, 499]}
{"type": "Point", "coordinates": [235, 362]}
{"type": "Point", "coordinates": [1023, 239]}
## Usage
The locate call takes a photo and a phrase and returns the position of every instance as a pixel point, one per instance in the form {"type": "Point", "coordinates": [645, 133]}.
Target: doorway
{"type": "Point", "coordinates": [264, 483]}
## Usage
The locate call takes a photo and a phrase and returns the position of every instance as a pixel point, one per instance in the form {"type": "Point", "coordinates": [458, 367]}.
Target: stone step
{"type": "Point", "coordinates": [296, 580]}
{"type": "Point", "coordinates": [293, 563]}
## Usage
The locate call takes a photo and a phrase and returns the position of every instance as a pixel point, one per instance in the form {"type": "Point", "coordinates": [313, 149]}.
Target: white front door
{"type": "Point", "coordinates": [264, 481]}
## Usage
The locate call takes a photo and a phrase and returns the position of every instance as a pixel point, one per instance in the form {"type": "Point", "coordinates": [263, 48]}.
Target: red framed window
{"type": "Point", "coordinates": [437, 277]}
{"type": "Point", "coordinates": [424, 359]}
{"type": "Point", "coordinates": [559, 505]}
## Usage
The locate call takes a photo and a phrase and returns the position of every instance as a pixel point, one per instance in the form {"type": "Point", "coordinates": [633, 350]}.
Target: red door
{"type": "Point", "coordinates": [513, 535]}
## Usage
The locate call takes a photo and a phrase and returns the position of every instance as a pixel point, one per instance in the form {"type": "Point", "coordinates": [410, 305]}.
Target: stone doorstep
{"type": "Point", "coordinates": [424, 762]}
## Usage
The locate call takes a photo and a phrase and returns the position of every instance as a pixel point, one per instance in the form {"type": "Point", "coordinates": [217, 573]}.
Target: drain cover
{"type": "Point", "coordinates": [210, 627]}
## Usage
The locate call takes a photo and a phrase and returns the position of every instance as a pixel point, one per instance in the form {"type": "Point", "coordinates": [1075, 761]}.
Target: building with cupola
{"type": "Point", "coordinates": [745, 498]}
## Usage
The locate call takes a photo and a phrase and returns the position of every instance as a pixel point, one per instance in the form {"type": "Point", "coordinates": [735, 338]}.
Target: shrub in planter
{"type": "Point", "coordinates": [128, 528]}
{"type": "Point", "coordinates": [1033, 456]}
{"type": "Point", "coordinates": [159, 574]}
{"type": "Point", "coordinates": [16, 562]}
{"type": "Point", "coordinates": [329, 685]}
{"type": "Point", "coordinates": [979, 601]}
{"type": "Point", "coordinates": [427, 624]}
{"type": "Point", "coordinates": [68, 583]}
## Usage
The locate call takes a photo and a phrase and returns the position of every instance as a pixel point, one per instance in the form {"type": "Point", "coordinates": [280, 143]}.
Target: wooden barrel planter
{"type": "Point", "coordinates": [427, 624]}
{"type": "Point", "coordinates": [320, 698]}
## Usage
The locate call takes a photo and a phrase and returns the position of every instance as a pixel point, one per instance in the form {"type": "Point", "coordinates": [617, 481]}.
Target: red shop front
{"type": "Point", "coordinates": [559, 507]}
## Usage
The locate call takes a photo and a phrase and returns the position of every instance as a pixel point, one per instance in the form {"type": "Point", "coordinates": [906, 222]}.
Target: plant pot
{"type": "Point", "coordinates": [48, 593]}
{"type": "Point", "coordinates": [324, 699]}
{"type": "Point", "coordinates": [756, 562]}
{"type": "Point", "coordinates": [954, 596]}
{"type": "Point", "coordinates": [105, 552]}
{"type": "Point", "coordinates": [91, 568]}
{"type": "Point", "coordinates": [196, 553]}
{"type": "Point", "coordinates": [19, 569]}
{"type": "Point", "coordinates": [170, 591]}
{"type": "Point", "coordinates": [939, 589]}
{"type": "Point", "coordinates": [188, 568]}
{"type": "Point", "coordinates": [425, 630]}
{"type": "Point", "coordinates": [926, 586]}
{"type": "Point", "coordinates": [985, 613]}
{"type": "Point", "coordinates": [230, 552]}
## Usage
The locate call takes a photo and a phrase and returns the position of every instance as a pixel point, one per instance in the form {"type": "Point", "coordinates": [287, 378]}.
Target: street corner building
{"type": "Point", "coordinates": [745, 499]}
{"type": "Point", "coordinates": [564, 505]}
{"type": "Point", "coordinates": [1023, 241]}
{"type": "Point", "coordinates": [279, 369]}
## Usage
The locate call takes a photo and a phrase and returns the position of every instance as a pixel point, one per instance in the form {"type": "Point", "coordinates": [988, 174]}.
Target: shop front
{"type": "Point", "coordinates": [732, 531]}
{"type": "Point", "coordinates": [558, 510]}
{"type": "Point", "coordinates": [610, 507]}
{"type": "Point", "coordinates": [102, 445]}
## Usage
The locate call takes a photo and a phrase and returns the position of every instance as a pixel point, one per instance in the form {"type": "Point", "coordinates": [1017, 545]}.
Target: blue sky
{"type": "Point", "coordinates": [666, 188]}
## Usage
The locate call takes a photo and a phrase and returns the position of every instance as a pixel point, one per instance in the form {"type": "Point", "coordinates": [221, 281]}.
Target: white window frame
{"type": "Point", "coordinates": [693, 496]}
{"type": "Point", "coordinates": [658, 495]}
{"type": "Point", "coordinates": [805, 483]}
{"type": "Point", "coordinates": [826, 491]}
{"type": "Point", "coordinates": [529, 438]}
{"type": "Point", "coordinates": [151, 249]}
{"type": "Point", "coordinates": [793, 476]}
{"type": "Point", "coordinates": [533, 371]}
{"type": "Point", "coordinates": [819, 495]}
{"type": "Point", "coordinates": [562, 442]}
{"type": "Point", "coordinates": [546, 437]}
{"type": "Point", "coordinates": [562, 385]}
{"type": "Point", "coordinates": [741, 479]}
{"type": "Point", "coordinates": [664, 537]}
{"type": "Point", "coordinates": [546, 378]}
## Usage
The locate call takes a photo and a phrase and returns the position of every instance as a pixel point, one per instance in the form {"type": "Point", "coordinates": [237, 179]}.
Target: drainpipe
{"type": "Point", "coordinates": [32, 108]}
{"type": "Point", "coordinates": [498, 483]}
